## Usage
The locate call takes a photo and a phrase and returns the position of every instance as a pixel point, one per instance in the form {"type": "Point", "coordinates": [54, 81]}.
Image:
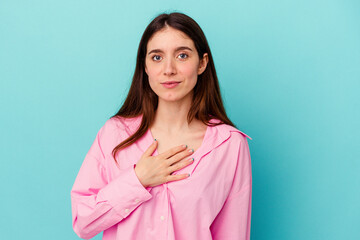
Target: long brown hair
{"type": "Point", "coordinates": [141, 99]}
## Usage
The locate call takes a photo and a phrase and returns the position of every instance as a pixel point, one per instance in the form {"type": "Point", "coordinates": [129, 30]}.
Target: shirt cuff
{"type": "Point", "coordinates": [125, 193]}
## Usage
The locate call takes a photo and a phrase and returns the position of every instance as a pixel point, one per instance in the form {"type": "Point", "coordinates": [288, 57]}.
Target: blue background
{"type": "Point", "coordinates": [289, 72]}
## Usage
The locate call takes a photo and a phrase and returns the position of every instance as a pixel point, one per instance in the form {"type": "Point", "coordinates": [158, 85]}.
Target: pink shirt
{"type": "Point", "coordinates": [213, 203]}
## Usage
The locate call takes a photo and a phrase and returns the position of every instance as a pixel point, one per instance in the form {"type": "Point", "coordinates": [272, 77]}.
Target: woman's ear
{"type": "Point", "coordinates": [203, 63]}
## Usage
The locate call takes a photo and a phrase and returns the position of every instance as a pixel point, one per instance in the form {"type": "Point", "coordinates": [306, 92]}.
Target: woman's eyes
{"type": "Point", "coordinates": [181, 56]}
{"type": "Point", "coordinates": [184, 55]}
{"type": "Point", "coordinates": [156, 57]}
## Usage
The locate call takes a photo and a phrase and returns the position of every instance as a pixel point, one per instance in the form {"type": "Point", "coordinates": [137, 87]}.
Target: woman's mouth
{"type": "Point", "coordinates": [170, 84]}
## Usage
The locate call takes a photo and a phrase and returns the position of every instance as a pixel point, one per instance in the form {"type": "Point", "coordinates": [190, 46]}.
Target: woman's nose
{"type": "Point", "coordinates": [169, 67]}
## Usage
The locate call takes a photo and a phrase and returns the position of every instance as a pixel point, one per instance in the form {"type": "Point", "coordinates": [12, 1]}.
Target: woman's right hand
{"type": "Point", "coordinates": [156, 170]}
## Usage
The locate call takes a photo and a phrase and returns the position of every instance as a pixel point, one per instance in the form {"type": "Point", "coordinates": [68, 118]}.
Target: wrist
{"type": "Point", "coordinates": [139, 176]}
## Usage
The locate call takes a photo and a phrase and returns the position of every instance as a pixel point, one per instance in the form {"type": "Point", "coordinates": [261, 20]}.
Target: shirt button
{"type": "Point", "coordinates": [162, 218]}
{"type": "Point", "coordinates": [127, 210]}
{"type": "Point", "coordinates": [137, 200]}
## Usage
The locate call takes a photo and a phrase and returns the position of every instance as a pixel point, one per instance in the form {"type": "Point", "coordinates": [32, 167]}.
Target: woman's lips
{"type": "Point", "coordinates": [170, 84]}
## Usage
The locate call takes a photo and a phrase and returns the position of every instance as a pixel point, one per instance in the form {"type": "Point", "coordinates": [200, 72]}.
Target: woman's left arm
{"type": "Point", "coordinates": [234, 219]}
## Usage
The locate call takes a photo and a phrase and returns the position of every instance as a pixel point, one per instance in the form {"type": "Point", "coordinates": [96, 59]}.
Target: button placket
{"type": "Point", "coordinates": [164, 213]}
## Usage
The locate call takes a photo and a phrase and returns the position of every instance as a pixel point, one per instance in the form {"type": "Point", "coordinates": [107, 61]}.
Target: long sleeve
{"type": "Point", "coordinates": [98, 204]}
{"type": "Point", "coordinates": [234, 219]}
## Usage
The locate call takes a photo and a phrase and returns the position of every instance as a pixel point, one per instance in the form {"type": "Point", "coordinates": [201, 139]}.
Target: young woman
{"type": "Point", "coordinates": [169, 164]}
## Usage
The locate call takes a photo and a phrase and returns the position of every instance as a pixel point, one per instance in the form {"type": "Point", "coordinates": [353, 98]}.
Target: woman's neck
{"type": "Point", "coordinates": [171, 117]}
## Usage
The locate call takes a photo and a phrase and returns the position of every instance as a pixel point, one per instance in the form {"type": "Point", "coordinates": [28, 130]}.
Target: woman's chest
{"type": "Point", "coordinates": [207, 187]}
{"type": "Point", "coordinates": [166, 142]}
{"type": "Point", "coordinates": [210, 180]}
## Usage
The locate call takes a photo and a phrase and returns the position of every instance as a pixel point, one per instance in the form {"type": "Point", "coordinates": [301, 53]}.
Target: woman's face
{"type": "Point", "coordinates": [172, 64]}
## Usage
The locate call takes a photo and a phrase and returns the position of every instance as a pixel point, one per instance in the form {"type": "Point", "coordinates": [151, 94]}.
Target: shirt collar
{"type": "Point", "coordinates": [214, 135]}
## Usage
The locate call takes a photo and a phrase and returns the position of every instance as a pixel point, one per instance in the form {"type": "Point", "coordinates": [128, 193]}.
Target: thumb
{"type": "Point", "coordinates": [151, 148]}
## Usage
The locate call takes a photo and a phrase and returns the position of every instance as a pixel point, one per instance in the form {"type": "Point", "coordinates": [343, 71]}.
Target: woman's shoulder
{"type": "Point", "coordinates": [122, 123]}
{"type": "Point", "coordinates": [228, 130]}
{"type": "Point", "coordinates": [117, 128]}
{"type": "Point", "coordinates": [224, 137]}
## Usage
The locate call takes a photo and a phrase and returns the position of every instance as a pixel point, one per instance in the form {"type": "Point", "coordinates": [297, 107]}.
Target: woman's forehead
{"type": "Point", "coordinates": [169, 38]}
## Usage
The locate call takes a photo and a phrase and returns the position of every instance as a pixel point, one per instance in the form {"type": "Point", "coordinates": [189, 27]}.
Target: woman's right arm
{"type": "Point", "coordinates": [97, 204]}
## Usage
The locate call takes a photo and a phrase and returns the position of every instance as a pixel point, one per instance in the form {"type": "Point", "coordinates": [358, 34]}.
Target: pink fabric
{"type": "Point", "coordinates": [213, 203]}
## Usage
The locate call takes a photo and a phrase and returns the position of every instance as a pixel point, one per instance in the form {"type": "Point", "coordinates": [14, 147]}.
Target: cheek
{"type": "Point", "coordinates": [152, 71]}
{"type": "Point", "coordinates": [190, 70]}
{"type": "Point", "coordinates": [152, 76]}
{"type": "Point", "coordinates": [148, 67]}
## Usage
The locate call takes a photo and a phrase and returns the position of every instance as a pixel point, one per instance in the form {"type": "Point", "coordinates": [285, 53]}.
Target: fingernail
{"type": "Point", "coordinates": [155, 139]}
{"type": "Point", "coordinates": [184, 146]}
{"type": "Point", "coordinates": [188, 174]}
{"type": "Point", "coordinates": [191, 150]}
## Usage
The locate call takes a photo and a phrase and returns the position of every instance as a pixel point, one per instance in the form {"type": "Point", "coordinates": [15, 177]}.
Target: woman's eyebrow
{"type": "Point", "coordinates": [177, 49]}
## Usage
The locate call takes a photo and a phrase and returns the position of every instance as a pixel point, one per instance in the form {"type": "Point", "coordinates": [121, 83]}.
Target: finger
{"type": "Point", "coordinates": [178, 177]}
{"type": "Point", "coordinates": [151, 149]}
{"type": "Point", "coordinates": [172, 160]}
{"type": "Point", "coordinates": [180, 165]}
{"type": "Point", "coordinates": [173, 151]}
